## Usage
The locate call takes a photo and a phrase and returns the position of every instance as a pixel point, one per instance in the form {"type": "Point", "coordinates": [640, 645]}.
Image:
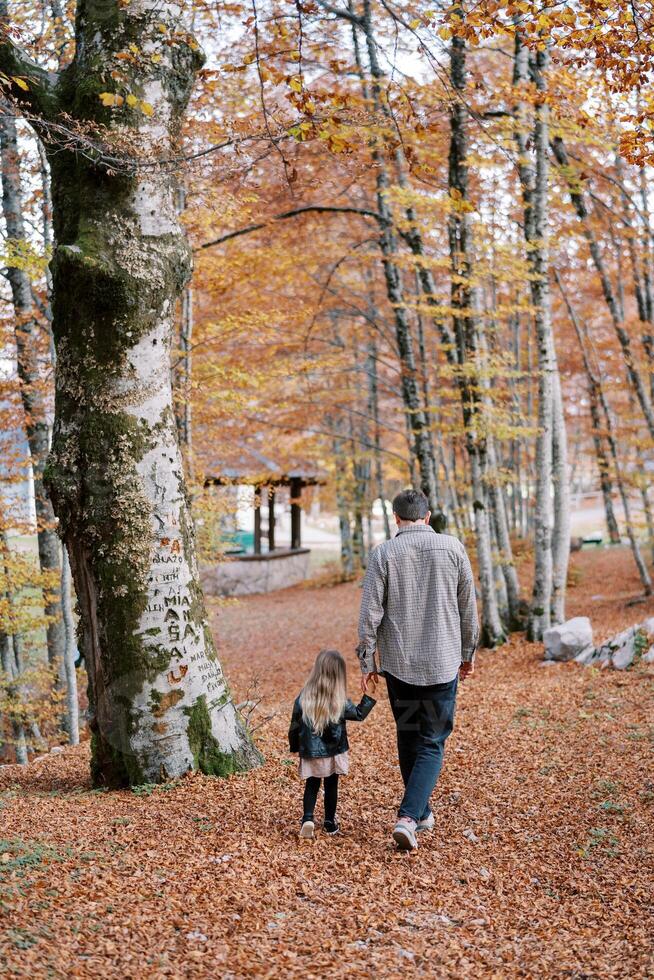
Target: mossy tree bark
{"type": "Point", "coordinates": [159, 703]}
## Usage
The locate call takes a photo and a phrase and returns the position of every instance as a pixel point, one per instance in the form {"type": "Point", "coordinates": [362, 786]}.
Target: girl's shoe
{"type": "Point", "coordinates": [308, 827]}
{"type": "Point", "coordinates": [330, 827]}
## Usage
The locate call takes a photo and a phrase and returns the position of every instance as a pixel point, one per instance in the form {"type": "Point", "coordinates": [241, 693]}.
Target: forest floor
{"type": "Point", "coordinates": [540, 864]}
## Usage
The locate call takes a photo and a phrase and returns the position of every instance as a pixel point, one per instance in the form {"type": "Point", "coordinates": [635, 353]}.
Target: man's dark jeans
{"type": "Point", "coordinates": [424, 717]}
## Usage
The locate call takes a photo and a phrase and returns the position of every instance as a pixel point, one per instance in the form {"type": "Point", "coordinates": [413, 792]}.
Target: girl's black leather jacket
{"type": "Point", "coordinates": [333, 741]}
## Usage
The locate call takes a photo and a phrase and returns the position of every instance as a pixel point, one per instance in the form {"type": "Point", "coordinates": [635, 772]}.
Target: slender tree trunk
{"type": "Point", "coordinates": [634, 375]}
{"type": "Point", "coordinates": [535, 195]}
{"type": "Point", "coordinates": [514, 618]}
{"type": "Point", "coordinates": [343, 507]}
{"type": "Point", "coordinates": [510, 607]}
{"type": "Point", "coordinates": [561, 529]}
{"type": "Point", "coordinates": [599, 402]}
{"type": "Point", "coordinates": [647, 278]}
{"type": "Point", "coordinates": [70, 652]}
{"type": "Point", "coordinates": [11, 657]}
{"type": "Point", "coordinates": [373, 412]}
{"type": "Point", "coordinates": [603, 466]}
{"type": "Point", "coordinates": [649, 519]}
{"type": "Point", "coordinates": [416, 421]}
{"type": "Point", "coordinates": [624, 495]}
{"type": "Point", "coordinates": [9, 669]}
{"type": "Point", "coordinates": [159, 703]}
{"type": "Point", "coordinates": [467, 342]}
{"type": "Point", "coordinates": [31, 383]}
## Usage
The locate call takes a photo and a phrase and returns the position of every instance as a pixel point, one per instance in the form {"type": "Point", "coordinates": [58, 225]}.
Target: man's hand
{"type": "Point", "coordinates": [466, 669]}
{"type": "Point", "coordinates": [366, 679]}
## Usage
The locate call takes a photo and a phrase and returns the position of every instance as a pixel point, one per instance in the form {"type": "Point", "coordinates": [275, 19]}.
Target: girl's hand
{"type": "Point", "coordinates": [366, 679]}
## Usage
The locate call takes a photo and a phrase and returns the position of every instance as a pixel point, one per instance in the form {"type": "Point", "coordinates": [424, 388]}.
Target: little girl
{"type": "Point", "coordinates": [319, 735]}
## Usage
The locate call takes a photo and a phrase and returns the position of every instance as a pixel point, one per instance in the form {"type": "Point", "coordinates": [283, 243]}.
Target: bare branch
{"type": "Point", "coordinates": [309, 208]}
{"type": "Point", "coordinates": [340, 13]}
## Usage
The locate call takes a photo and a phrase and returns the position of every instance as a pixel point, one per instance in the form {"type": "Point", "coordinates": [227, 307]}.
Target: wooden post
{"type": "Point", "coordinates": [296, 513]}
{"type": "Point", "coordinates": [271, 519]}
{"type": "Point", "coordinates": [257, 520]}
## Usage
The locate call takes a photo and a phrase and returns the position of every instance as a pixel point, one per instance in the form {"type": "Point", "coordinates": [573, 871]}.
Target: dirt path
{"type": "Point", "coordinates": [540, 866]}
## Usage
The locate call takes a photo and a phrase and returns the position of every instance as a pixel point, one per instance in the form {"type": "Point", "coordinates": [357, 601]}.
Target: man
{"type": "Point", "coordinates": [419, 613]}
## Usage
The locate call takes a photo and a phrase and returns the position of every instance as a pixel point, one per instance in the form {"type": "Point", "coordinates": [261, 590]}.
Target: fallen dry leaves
{"type": "Point", "coordinates": [540, 865]}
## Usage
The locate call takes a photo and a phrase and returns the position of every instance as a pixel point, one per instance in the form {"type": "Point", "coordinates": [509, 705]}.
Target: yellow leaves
{"type": "Point", "coordinates": [295, 83]}
{"type": "Point", "coordinates": [22, 255]}
{"type": "Point", "coordinates": [112, 100]}
{"type": "Point", "coordinates": [20, 82]}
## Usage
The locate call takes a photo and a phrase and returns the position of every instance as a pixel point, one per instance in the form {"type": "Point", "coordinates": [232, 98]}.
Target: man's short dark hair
{"type": "Point", "coordinates": [411, 505]}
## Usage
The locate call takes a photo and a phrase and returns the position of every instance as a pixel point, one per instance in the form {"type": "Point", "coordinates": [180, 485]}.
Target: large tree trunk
{"type": "Point", "coordinates": [159, 703]}
{"type": "Point", "coordinates": [181, 377]}
{"type": "Point", "coordinates": [31, 383]}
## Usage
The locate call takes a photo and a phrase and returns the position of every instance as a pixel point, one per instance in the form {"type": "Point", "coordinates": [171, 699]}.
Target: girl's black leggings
{"type": "Point", "coordinates": [311, 787]}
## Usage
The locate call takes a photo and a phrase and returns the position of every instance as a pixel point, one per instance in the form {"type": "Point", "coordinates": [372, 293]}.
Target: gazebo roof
{"type": "Point", "coordinates": [248, 465]}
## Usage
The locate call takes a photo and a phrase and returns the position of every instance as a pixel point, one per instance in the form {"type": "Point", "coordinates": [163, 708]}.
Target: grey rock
{"type": "Point", "coordinates": [586, 655]}
{"type": "Point", "coordinates": [620, 650]}
{"type": "Point", "coordinates": [568, 640]}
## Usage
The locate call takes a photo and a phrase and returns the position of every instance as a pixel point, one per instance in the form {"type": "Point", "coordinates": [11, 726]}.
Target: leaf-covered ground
{"type": "Point", "coordinates": [540, 864]}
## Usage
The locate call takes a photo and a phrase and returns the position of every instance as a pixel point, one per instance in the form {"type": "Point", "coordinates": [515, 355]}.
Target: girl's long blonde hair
{"type": "Point", "coordinates": [324, 695]}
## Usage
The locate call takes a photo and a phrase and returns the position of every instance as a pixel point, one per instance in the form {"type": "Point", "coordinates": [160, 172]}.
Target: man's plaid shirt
{"type": "Point", "coordinates": [418, 610]}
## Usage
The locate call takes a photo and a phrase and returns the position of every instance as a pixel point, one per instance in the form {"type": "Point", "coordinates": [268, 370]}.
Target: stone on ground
{"type": "Point", "coordinates": [569, 640]}
{"type": "Point", "coordinates": [624, 649]}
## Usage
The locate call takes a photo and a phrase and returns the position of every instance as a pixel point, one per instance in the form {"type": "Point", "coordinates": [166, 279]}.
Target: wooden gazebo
{"type": "Point", "coordinates": [291, 561]}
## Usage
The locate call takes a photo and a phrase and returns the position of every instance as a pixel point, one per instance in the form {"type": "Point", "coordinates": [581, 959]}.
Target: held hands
{"type": "Point", "coordinates": [466, 669]}
{"type": "Point", "coordinates": [366, 679]}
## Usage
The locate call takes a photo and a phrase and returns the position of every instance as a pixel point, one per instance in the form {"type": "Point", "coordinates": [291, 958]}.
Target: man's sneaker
{"type": "Point", "coordinates": [308, 827]}
{"type": "Point", "coordinates": [404, 834]}
{"type": "Point", "coordinates": [330, 827]}
{"type": "Point", "coordinates": [426, 824]}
